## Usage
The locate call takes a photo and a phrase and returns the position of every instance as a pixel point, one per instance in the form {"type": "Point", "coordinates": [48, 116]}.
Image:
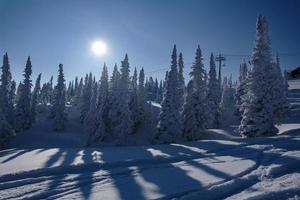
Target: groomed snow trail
{"type": "Point", "coordinates": [211, 169]}
{"type": "Point", "coordinates": [257, 168]}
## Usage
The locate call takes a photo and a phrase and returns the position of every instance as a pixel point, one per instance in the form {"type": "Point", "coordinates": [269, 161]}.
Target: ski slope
{"type": "Point", "coordinates": [222, 167]}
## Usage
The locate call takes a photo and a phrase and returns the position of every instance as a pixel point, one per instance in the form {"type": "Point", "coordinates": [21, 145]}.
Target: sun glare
{"type": "Point", "coordinates": [99, 48]}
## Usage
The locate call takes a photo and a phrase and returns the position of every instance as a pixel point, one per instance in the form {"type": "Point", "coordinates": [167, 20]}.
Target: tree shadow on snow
{"type": "Point", "coordinates": [163, 170]}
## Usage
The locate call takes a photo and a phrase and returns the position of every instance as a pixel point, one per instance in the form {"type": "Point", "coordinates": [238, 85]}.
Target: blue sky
{"type": "Point", "coordinates": [61, 31]}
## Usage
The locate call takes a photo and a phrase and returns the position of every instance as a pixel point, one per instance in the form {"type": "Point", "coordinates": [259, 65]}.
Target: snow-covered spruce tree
{"type": "Point", "coordinates": [50, 91]}
{"type": "Point", "coordinates": [141, 97]}
{"type": "Point", "coordinates": [133, 104]}
{"type": "Point", "coordinates": [156, 90]}
{"type": "Point", "coordinates": [194, 113]}
{"type": "Point", "coordinates": [18, 92]}
{"type": "Point", "coordinates": [160, 92]}
{"type": "Point", "coordinates": [213, 96]}
{"type": "Point", "coordinates": [227, 102]}
{"type": "Point", "coordinates": [79, 91]}
{"type": "Point", "coordinates": [170, 123]}
{"type": "Point", "coordinates": [258, 110]}
{"type": "Point", "coordinates": [23, 108]}
{"type": "Point", "coordinates": [113, 100]}
{"type": "Point", "coordinates": [181, 82]}
{"type": "Point", "coordinates": [281, 105]}
{"type": "Point", "coordinates": [44, 93]}
{"type": "Point", "coordinates": [69, 91]}
{"type": "Point", "coordinates": [6, 100]}
{"type": "Point", "coordinates": [76, 85]}
{"type": "Point", "coordinates": [241, 90]}
{"type": "Point", "coordinates": [12, 94]}
{"type": "Point", "coordinates": [35, 97]}
{"type": "Point", "coordinates": [123, 127]}
{"type": "Point", "coordinates": [102, 108]}
{"type": "Point", "coordinates": [90, 121]}
{"type": "Point", "coordinates": [59, 106]}
{"type": "Point", "coordinates": [86, 96]}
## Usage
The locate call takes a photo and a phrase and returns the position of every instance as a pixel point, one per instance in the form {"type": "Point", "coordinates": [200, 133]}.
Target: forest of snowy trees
{"type": "Point", "coordinates": [117, 106]}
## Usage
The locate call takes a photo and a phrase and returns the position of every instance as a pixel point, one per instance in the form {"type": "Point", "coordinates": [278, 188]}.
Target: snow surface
{"type": "Point", "coordinates": [222, 166]}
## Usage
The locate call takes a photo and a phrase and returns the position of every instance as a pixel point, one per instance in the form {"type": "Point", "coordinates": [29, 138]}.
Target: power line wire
{"type": "Point", "coordinates": [227, 55]}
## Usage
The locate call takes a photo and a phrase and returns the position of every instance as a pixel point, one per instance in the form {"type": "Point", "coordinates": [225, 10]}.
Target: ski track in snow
{"type": "Point", "coordinates": [255, 168]}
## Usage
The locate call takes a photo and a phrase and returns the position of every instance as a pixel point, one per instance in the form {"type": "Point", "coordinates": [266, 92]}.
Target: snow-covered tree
{"type": "Point", "coordinates": [90, 121]}
{"type": "Point", "coordinates": [170, 123]}
{"type": "Point", "coordinates": [79, 92]}
{"type": "Point", "coordinates": [181, 82]}
{"type": "Point", "coordinates": [86, 96]}
{"type": "Point", "coordinates": [59, 106]}
{"type": "Point", "coordinates": [6, 100]}
{"type": "Point", "coordinates": [241, 89]}
{"type": "Point", "coordinates": [194, 113]}
{"type": "Point", "coordinates": [280, 102]}
{"type": "Point", "coordinates": [18, 92]}
{"type": "Point", "coordinates": [212, 95]}
{"type": "Point", "coordinates": [76, 85]}
{"type": "Point", "coordinates": [23, 109]}
{"type": "Point", "coordinates": [227, 102]}
{"type": "Point", "coordinates": [160, 91]}
{"type": "Point", "coordinates": [50, 91]}
{"type": "Point", "coordinates": [12, 94]}
{"type": "Point", "coordinates": [35, 97]}
{"type": "Point", "coordinates": [133, 104]}
{"type": "Point", "coordinates": [258, 103]}
{"type": "Point", "coordinates": [123, 126]}
{"type": "Point", "coordinates": [114, 99]}
{"type": "Point", "coordinates": [102, 108]}
{"type": "Point", "coordinates": [141, 96]}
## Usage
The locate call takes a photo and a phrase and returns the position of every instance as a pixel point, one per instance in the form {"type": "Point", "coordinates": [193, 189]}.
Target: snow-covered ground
{"type": "Point", "coordinates": [219, 167]}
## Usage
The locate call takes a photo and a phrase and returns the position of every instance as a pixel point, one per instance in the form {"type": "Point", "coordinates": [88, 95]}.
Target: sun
{"type": "Point", "coordinates": [99, 48]}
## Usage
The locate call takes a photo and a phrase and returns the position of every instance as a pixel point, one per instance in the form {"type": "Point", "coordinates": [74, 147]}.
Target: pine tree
{"type": "Point", "coordinates": [194, 113]}
{"type": "Point", "coordinates": [76, 85]}
{"type": "Point", "coordinates": [12, 95]}
{"type": "Point", "coordinates": [114, 100]}
{"type": "Point", "coordinates": [212, 95]}
{"type": "Point", "coordinates": [18, 93]}
{"type": "Point", "coordinates": [86, 96]}
{"type": "Point", "coordinates": [35, 98]}
{"type": "Point", "coordinates": [69, 91]}
{"type": "Point", "coordinates": [241, 89]}
{"type": "Point", "coordinates": [258, 111]}
{"type": "Point", "coordinates": [141, 97]}
{"type": "Point", "coordinates": [79, 91]}
{"type": "Point", "coordinates": [181, 82]}
{"type": "Point", "coordinates": [90, 121]}
{"type": "Point", "coordinates": [160, 92]}
{"type": "Point", "coordinates": [170, 123]}
{"type": "Point", "coordinates": [6, 100]}
{"type": "Point", "coordinates": [280, 102]}
{"type": "Point", "coordinates": [133, 104]}
{"type": "Point", "coordinates": [227, 102]}
{"type": "Point", "coordinates": [123, 127]}
{"type": "Point", "coordinates": [23, 109]}
{"type": "Point", "coordinates": [50, 91]}
{"type": "Point", "coordinates": [59, 107]}
{"type": "Point", "coordinates": [102, 108]}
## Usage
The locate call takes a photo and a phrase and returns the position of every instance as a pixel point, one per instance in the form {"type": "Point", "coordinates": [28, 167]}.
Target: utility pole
{"type": "Point", "coordinates": [220, 58]}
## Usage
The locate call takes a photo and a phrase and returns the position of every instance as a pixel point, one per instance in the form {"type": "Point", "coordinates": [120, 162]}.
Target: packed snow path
{"type": "Point", "coordinates": [257, 168]}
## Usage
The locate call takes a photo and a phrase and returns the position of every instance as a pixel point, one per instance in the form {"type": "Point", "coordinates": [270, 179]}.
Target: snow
{"type": "Point", "coordinates": [221, 166]}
